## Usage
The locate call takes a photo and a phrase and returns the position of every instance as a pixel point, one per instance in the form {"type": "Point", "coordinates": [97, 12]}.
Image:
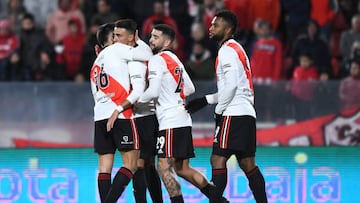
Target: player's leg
{"type": "Point", "coordinates": [219, 156]}
{"type": "Point", "coordinates": [195, 177]}
{"type": "Point", "coordinates": [166, 147]}
{"type": "Point", "coordinates": [170, 180]}
{"type": "Point", "coordinates": [147, 175]}
{"type": "Point", "coordinates": [104, 147]}
{"type": "Point", "coordinates": [126, 139]}
{"type": "Point", "coordinates": [219, 172]}
{"type": "Point", "coordinates": [184, 170]}
{"type": "Point", "coordinates": [139, 182]}
{"type": "Point", "coordinates": [153, 180]}
{"type": "Point", "coordinates": [254, 176]}
{"type": "Point", "coordinates": [123, 176]}
{"type": "Point", "coordinates": [245, 134]}
{"type": "Point", "coordinates": [104, 176]}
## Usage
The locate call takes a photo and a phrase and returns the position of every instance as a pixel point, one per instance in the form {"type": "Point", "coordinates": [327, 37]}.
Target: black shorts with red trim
{"type": "Point", "coordinates": [123, 136]}
{"type": "Point", "coordinates": [175, 143]}
{"type": "Point", "coordinates": [148, 129]}
{"type": "Point", "coordinates": [235, 135]}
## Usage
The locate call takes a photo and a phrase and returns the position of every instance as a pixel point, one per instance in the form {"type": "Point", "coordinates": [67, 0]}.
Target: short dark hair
{"type": "Point", "coordinates": [230, 18]}
{"type": "Point", "coordinates": [28, 16]}
{"type": "Point", "coordinates": [166, 30]}
{"type": "Point", "coordinates": [266, 24]}
{"type": "Point", "coordinates": [128, 24]}
{"type": "Point", "coordinates": [107, 2]}
{"type": "Point", "coordinates": [103, 33]}
{"type": "Point", "coordinates": [306, 54]}
{"type": "Point", "coordinates": [355, 60]}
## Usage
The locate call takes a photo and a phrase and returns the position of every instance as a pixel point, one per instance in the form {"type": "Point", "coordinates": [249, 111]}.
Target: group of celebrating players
{"type": "Point", "coordinates": [141, 110]}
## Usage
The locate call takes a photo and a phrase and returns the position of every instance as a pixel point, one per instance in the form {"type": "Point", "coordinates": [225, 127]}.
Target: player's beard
{"type": "Point", "coordinates": [218, 37]}
{"type": "Point", "coordinates": [155, 50]}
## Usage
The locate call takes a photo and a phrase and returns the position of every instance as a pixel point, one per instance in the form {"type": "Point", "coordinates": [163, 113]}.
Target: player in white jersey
{"type": "Point", "coordinates": [113, 96]}
{"type": "Point", "coordinates": [169, 84]}
{"type": "Point", "coordinates": [145, 120]}
{"type": "Point", "coordinates": [235, 113]}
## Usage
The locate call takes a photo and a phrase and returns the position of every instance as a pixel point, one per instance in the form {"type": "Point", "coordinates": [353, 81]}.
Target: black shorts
{"type": "Point", "coordinates": [175, 143]}
{"type": "Point", "coordinates": [123, 136]}
{"type": "Point", "coordinates": [148, 129]}
{"type": "Point", "coordinates": [235, 135]}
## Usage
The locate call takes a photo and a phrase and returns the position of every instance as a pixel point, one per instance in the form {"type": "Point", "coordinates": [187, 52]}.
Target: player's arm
{"type": "Point", "coordinates": [229, 64]}
{"type": "Point", "coordinates": [142, 52]}
{"type": "Point", "coordinates": [137, 80]}
{"type": "Point", "coordinates": [137, 72]}
{"type": "Point", "coordinates": [198, 103]}
{"type": "Point", "coordinates": [189, 87]}
{"type": "Point", "coordinates": [156, 67]}
{"type": "Point", "coordinates": [129, 53]}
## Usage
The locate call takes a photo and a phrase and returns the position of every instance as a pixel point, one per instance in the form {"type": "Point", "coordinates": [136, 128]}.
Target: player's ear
{"type": "Point", "coordinates": [168, 42]}
{"type": "Point", "coordinates": [228, 30]}
{"type": "Point", "coordinates": [131, 38]}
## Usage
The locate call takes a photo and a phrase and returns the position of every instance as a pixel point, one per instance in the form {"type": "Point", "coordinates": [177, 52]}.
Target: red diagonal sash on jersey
{"type": "Point", "coordinates": [242, 58]}
{"type": "Point", "coordinates": [113, 87]}
{"type": "Point", "coordinates": [171, 65]}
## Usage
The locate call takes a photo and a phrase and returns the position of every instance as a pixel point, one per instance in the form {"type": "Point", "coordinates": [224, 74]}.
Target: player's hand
{"type": "Point", "coordinates": [111, 120]}
{"type": "Point", "coordinates": [196, 104]}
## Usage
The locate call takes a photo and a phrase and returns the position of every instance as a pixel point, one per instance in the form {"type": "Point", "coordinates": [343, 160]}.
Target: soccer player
{"type": "Point", "coordinates": [146, 122]}
{"type": "Point", "coordinates": [114, 128]}
{"type": "Point", "coordinates": [235, 113]}
{"type": "Point", "coordinates": [169, 84]}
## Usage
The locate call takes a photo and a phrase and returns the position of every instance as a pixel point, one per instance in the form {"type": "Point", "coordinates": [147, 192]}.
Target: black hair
{"type": "Point", "coordinates": [103, 33]}
{"type": "Point", "coordinates": [355, 60]}
{"type": "Point", "coordinates": [266, 24]}
{"type": "Point", "coordinates": [166, 30]}
{"type": "Point", "coordinates": [107, 2]}
{"type": "Point", "coordinates": [157, 22]}
{"type": "Point", "coordinates": [28, 16]}
{"type": "Point", "coordinates": [128, 24]}
{"type": "Point", "coordinates": [230, 18]}
{"type": "Point", "coordinates": [306, 54]}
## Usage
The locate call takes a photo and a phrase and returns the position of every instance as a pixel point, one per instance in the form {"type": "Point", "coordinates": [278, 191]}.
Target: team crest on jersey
{"type": "Point", "coordinates": [125, 140]}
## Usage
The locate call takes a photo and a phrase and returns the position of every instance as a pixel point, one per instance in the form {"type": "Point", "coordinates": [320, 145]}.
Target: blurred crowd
{"type": "Point", "coordinates": [296, 40]}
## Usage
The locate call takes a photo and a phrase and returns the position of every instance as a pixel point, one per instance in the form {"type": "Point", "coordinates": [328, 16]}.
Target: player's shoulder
{"type": "Point", "coordinates": [231, 47]}
{"type": "Point", "coordinates": [119, 47]}
{"type": "Point", "coordinates": [168, 56]}
{"type": "Point", "coordinates": [225, 51]}
{"type": "Point", "coordinates": [157, 58]}
{"type": "Point", "coordinates": [115, 51]}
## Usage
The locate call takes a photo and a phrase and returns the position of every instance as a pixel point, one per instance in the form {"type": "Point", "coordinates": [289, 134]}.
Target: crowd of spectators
{"type": "Point", "coordinates": [54, 40]}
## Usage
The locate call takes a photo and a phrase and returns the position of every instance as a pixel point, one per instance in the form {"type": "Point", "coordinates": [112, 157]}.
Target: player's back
{"type": "Point", "coordinates": [110, 81]}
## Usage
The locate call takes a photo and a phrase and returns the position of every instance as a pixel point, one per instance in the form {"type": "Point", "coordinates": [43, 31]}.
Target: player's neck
{"type": "Point", "coordinates": [225, 39]}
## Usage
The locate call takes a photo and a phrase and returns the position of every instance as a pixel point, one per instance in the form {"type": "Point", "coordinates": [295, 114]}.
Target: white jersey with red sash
{"type": "Point", "coordinates": [148, 108]}
{"type": "Point", "coordinates": [110, 83]}
{"type": "Point", "coordinates": [233, 68]}
{"type": "Point", "coordinates": [172, 85]}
